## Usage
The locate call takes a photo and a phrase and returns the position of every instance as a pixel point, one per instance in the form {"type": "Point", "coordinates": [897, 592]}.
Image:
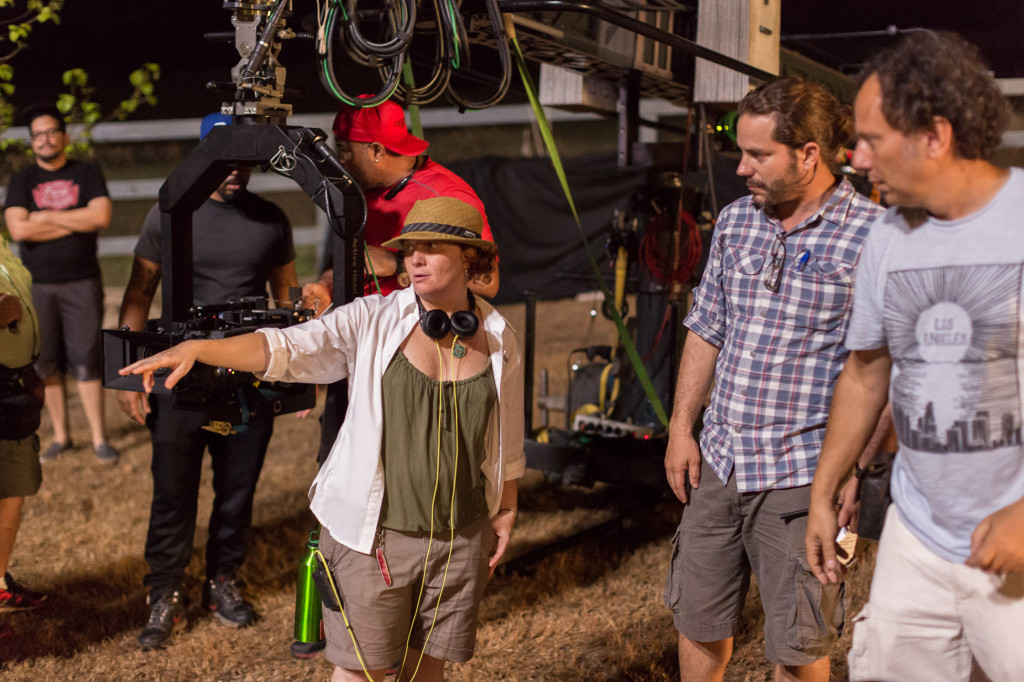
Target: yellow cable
{"type": "Point", "coordinates": [337, 596]}
{"type": "Point", "coordinates": [451, 515]}
{"type": "Point", "coordinates": [621, 263]}
{"type": "Point", "coordinates": [433, 505]}
{"type": "Point", "coordinates": [603, 388]}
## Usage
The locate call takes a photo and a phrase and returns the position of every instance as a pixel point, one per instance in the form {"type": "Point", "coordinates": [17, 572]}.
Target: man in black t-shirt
{"type": "Point", "coordinates": [240, 243]}
{"type": "Point", "coordinates": [54, 209]}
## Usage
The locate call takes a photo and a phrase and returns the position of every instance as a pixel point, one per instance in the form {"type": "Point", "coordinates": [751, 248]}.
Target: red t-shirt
{"type": "Point", "coordinates": [385, 217]}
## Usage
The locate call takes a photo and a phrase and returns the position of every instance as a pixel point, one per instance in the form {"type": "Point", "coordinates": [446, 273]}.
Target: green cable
{"type": "Point", "coordinates": [373, 274]}
{"type": "Point", "coordinates": [456, 60]}
{"type": "Point", "coordinates": [414, 109]}
{"type": "Point", "coordinates": [325, 64]}
{"type": "Point", "coordinates": [328, 80]}
{"type": "Point", "coordinates": [556, 161]}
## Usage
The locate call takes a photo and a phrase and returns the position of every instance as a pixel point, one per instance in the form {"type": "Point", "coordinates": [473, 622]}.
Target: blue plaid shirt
{"type": "Point", "coordinates": [780, 351]}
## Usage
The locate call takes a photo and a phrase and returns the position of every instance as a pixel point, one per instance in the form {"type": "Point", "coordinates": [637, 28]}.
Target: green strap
{"type": "Point", "coordinates": [414, 109]}
{"type": "Point", "coordinates": [556, 161]}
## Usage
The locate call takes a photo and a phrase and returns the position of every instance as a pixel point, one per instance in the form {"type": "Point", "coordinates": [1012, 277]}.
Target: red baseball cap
{"type": "Point", "coordinates": [384, 123]}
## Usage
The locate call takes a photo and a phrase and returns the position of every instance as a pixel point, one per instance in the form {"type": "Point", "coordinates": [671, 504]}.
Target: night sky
{"type": "Point", "coordinates": [110, 38]}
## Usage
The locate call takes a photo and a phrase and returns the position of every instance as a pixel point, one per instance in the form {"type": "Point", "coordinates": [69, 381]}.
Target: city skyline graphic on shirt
{"type": "Point", "coordinates": [953, 334]}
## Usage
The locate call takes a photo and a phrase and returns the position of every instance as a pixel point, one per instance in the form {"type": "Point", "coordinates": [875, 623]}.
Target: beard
{"type": "Point", "coordinates": [772, 193]}
{"type": "Point", "coordinates": [778, 191]}
{"type": "Point", "coordinates": [50, 156]}
{"type": "Point", "coordinates": [232, 186]}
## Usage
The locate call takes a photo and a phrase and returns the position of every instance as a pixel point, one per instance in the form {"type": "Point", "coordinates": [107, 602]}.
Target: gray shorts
{"type": "Point", "coordinates": [722, 536]}
{"type": "Point", "coordinates": [70, 317]}
{"type": "Point", "coordinates": [20, 473]}
{"type": "Point", "coordinates": [381, 616]}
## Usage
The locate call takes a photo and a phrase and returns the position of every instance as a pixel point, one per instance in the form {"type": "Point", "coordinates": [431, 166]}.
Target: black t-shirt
{"type": "Point", "coordinates": [74, 185]}
{"type": "Point", "coordinates": [234, 244]}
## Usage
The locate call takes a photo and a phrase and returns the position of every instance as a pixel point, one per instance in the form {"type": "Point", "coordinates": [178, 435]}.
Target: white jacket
{"type": "Point", "coordinates": [358, 341]}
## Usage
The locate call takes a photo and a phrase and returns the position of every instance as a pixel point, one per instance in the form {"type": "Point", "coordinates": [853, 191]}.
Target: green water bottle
{"type": "Point", "coordinates": [309, 626]}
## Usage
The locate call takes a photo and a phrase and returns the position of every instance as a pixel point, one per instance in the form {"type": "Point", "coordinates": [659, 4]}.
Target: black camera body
{"type": "Point", "coordinates": [225, 395]}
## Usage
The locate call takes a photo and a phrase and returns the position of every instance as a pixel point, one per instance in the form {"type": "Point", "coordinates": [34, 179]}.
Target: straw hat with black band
{"type": "Point", "coordinates": [442, 219]}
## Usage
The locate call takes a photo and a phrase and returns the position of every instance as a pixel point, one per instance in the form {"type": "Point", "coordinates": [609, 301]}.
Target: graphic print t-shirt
{"type": "Point", "coordinates": [74, 185]}
{"type": "Point", "coordinates": [945, 298]}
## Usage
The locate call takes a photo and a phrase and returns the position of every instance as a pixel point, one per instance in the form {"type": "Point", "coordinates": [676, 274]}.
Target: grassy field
{"type": "Point", "coordinates": [578, 612]}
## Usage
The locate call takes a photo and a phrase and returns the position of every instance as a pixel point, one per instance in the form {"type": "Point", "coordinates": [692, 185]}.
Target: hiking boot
{"type": "Point", "coordinates": [166, 618]}
{"type": "Point", "coordinates": [54, 449]}
{"type": "Point", "coordinates": [14, 597]}
{"type": "Point", "coordinates": [222, 597]}
{"type": "Point", "coordinates": [106, 453]}
{"type": "Point", "coordinates": [308, 649]}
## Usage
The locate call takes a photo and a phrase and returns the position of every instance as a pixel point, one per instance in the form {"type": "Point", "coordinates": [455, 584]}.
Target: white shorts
{"type": "Point", "coordinates": [930, 619]}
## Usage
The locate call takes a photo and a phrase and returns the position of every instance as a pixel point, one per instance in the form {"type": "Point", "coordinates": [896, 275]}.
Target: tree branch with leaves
{"type": "Point", "coordinates": [77, 104]}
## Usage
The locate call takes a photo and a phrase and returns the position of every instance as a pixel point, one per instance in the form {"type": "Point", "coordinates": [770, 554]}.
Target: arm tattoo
{"type": "Point", "coordinates": [144, 280]}
{"type": "Point", "coordinates": [151, 284]}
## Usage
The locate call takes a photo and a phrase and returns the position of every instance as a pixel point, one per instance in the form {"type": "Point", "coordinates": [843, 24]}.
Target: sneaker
{"type": "Point", "coordinates": [54, 449]}
{"type": "Point", "coordinates": [222, 597]}
{"type": "Point", "coordinates": [106, 453]}
{"type": "Point", "coordinates": [166, 619]}
{"type": "Point", "coordinates": [308, 649]}
{"type": "Point", "coordinates": [16, 598]}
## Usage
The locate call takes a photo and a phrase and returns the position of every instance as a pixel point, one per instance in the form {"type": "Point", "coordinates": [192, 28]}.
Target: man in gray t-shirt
{"type": "Point", "coordinates": [936, 326]}
{"type": "Point", "coordinates": [240, 243]}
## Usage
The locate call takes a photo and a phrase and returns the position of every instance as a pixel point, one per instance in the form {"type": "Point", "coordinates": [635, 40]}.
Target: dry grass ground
{"type": "Point", "coordinates": [582, 612]}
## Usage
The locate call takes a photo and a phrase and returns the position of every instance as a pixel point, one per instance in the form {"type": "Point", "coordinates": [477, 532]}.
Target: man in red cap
{"type": "Point", "coordinates": [391, 167]}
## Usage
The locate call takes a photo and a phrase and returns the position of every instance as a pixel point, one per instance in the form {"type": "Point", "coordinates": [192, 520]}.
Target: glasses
{"type": "Point", "coordinates": [773, 277]}
{"type": "Point", "coordinates": [52, 132]}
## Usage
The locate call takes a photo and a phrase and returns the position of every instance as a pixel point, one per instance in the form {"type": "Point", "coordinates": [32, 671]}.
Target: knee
{"type": "Point", "coordinates": [346, 675]}
{"type": "Point", "coordinates": [818, 671]}
{"type": "Point", "coordinates": [10, 507]}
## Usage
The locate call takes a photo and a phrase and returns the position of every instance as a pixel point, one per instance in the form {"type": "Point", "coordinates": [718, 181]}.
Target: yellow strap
{"type": "Point", "coordinates": [603, 386]}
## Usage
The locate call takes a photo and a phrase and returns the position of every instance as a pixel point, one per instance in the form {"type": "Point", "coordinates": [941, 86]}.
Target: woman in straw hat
{"type": "Point", "coordinates": [418, 497]}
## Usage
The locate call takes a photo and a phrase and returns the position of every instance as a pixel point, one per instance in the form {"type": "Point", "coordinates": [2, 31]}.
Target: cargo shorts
{"type": "Point", "coordinates": [722, 537]}
{"type": "Point", "coordinates": [384, 618]}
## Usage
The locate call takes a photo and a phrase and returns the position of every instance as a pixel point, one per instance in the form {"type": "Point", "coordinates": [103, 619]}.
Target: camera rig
{"type": "Point", "coordinates": [258, 137]}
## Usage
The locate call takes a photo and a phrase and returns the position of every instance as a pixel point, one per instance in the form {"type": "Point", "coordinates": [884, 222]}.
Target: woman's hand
{"type": "Point", "coordinates": [179, 359]}
{"type": "Point", "coordinates": [502, 522]}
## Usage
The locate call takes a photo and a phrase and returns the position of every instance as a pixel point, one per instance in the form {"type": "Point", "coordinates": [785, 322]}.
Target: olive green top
{"type": "Point", "coordinates": [414, 438]}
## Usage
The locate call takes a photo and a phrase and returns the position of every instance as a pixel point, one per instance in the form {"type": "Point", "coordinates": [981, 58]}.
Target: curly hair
{"type": "Point", "coordinates": [803, 112]}
{"type": "Point", "coordinates": [931, 74]}
{"type": "Point", "coordinates": [481, 262]}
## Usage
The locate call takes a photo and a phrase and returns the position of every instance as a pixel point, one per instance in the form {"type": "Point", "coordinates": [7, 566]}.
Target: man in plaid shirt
{"type": "Point", "coordinates": [768, 323]}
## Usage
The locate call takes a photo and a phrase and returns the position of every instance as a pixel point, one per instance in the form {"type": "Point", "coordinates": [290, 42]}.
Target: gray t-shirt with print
{"type": "Point", "coordinates": [946, 298]}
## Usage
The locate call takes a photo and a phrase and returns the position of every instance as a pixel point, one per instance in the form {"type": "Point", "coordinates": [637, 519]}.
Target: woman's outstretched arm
{"type": "Point", "coordinates": [245, 353]}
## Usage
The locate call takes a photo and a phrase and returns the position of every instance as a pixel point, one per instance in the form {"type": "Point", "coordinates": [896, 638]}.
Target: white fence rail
{"type": "Point", "coordinates": [188, 129]}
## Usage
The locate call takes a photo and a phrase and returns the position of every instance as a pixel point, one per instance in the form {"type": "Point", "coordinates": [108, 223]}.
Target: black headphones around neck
{"type": "Point", "coordinates": [393, 192]}
{"type": "Point", "coordinates": [436, 324]}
